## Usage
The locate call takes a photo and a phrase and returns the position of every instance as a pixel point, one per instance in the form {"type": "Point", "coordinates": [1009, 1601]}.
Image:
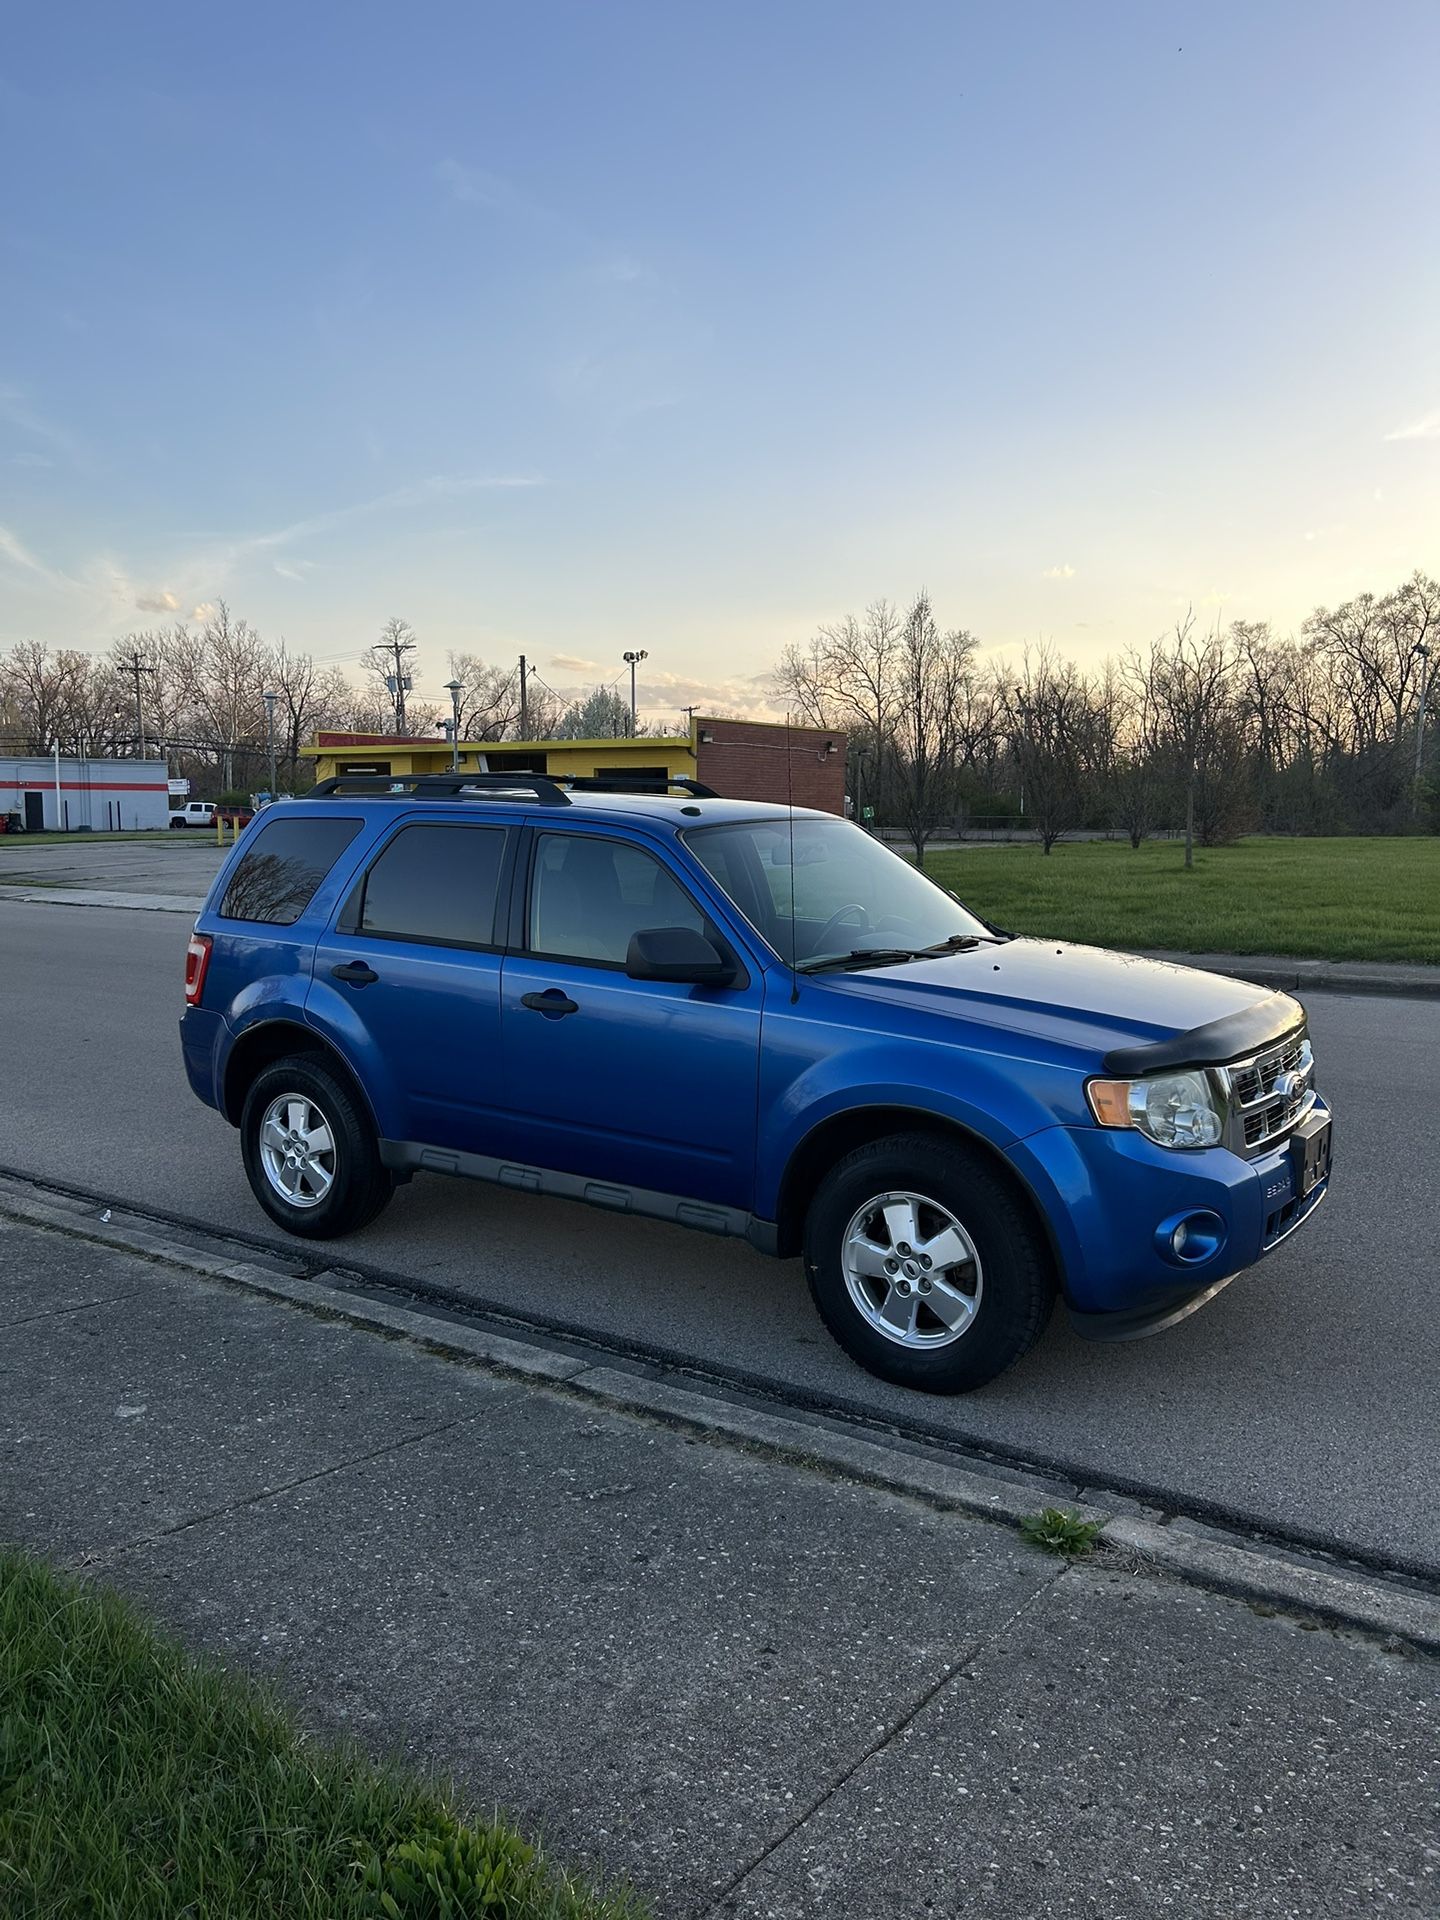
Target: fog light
{"type": "Point", "coordinates": [1190, 1239]}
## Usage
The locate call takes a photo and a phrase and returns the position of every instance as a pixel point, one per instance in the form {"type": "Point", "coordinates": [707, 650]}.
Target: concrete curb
{"type": "Point", "coordinates": [1289, 975]}
{"type": "Point", "coordinates": [1242, 1568]}
{"type": "Point", "coordinates": [95, 897]}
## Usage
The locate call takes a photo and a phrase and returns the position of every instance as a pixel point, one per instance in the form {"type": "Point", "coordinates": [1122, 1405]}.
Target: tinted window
{"type": "Point", "coordinates": [282, 866]}
{"type": "Point", "coordinates": [589, 895]}
{"type": "Point", "coordinates": [438, 884]}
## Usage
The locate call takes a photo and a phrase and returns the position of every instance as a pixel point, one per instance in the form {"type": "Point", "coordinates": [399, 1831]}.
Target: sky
{"type": "Point", "coordinates": [570, 328]}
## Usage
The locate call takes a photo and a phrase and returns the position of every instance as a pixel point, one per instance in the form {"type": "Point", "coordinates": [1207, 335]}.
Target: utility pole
{"type": "Point", "coordinates": [397, 683]}
{"type": "Point", "coordinates": [632, 660]}
{"type": "Point", "coordinates": [524, 701]}
{"type": "Point", "coordinates": [137, 666]}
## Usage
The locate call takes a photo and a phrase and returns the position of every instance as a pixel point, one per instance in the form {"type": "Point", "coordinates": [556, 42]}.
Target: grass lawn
{"type": "Point", "coordinates": [1344, 899]}
{"type": "Point", "coordinates": [139, 1784]}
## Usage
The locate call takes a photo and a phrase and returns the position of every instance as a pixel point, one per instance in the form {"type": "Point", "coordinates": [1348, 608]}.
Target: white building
{"type": "Point", "coordinates": [109, 796]}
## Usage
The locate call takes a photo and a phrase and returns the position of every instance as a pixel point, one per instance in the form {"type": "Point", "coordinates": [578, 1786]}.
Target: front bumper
{"type": "Point", "coordinates": [1111, 1199]}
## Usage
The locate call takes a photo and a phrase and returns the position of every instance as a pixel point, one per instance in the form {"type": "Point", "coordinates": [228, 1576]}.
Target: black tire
{"type": "Point", "coordinates": [1014, 1296]}
{"type": "Point", "coordinates": [360, 1185]}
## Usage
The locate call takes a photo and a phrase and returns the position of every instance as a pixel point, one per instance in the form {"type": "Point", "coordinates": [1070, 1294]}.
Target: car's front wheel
{"type": "Point", "coordinates": [926, 1265]}
{"type": "Point", "coordinates": [310, 1150]}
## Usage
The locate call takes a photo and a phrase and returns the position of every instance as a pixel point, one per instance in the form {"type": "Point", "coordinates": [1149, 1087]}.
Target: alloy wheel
{"type": "Point", "coordinates": [911, 1270]}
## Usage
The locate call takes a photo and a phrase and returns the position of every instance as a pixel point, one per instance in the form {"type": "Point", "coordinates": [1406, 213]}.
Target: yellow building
{"type": "Point", "coordinates": [743, 759]}
{"type": "Point", "coordinates": [378, 753]}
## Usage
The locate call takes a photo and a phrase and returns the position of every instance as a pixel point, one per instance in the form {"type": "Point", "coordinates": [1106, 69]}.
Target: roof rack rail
{"type": "Point", "coordinates": [621, 782]}
{"type": "Point", "coordinates": [530, 787]}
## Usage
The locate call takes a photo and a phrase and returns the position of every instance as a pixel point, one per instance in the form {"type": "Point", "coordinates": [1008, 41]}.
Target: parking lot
{"type": "Point", "coordinates": [1302, 1400]}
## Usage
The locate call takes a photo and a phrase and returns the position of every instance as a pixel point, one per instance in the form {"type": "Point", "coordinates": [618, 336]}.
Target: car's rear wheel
{"type": "Point", "coordinates": [926, 1264]}
{"type": "Point", "coordinates": [310, 1150]}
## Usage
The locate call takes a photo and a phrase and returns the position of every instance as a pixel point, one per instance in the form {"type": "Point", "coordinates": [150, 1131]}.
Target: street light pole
{"type": "Point", "coordinates": [269, 699]}
{"type": "Point", "coordinates": [454, 688]}
{"type": "Point", "coordinates": [632, 661]}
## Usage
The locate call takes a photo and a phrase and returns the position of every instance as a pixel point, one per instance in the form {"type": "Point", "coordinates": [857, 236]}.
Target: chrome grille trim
{"type": "Point", "coordinates": [1268, 1094]}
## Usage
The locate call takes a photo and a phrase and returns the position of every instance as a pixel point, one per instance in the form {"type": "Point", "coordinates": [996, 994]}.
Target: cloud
{"type": "Point", "coordinates": [203, 611]}
{"type": "Point", "coordinates": [477, 187]}
{"type": "Point", "coordinates": [623, 270]}
{"type": "Point", "coordinates": [1063, 572]}
{"type": "Point", "coordinates": [572, 663]}
{"type": "Point", "coordinates": [157, 603]}
{"type": "Point", "coordinates": [1427, 427]}
{"type": "Point", "coordinates": [13, 549]}
{"type": "Point", "coordinates": [294, 569]}
{"type": "Point", "coordinates": [16, 411]}
{"type": "Point", "coordinates": [749, 698]}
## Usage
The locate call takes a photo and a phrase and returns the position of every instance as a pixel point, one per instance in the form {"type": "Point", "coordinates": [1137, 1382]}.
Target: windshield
{"type": "Point", "coordinates": [846, 897]}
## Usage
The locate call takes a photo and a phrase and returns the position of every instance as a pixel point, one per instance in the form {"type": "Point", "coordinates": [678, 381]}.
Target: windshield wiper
{"type": "Point", "coordinates": [957, 943]}
{"type": "Point", "coordinates": [857, 956]}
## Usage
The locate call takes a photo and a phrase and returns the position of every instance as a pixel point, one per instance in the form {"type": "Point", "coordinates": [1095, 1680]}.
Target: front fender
{"type": "Point", "coordinates": [811, 1074]}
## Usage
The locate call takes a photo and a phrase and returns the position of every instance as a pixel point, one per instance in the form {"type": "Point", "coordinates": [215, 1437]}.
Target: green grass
{"type": "Point", "coordinates": [1058, 1530]}
{"type": "Point", "coordinates": [1343, 899]}
{"type": "Point", "coordinates": [139, 1784]}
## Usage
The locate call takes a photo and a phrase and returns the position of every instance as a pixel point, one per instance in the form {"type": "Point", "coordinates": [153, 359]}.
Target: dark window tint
{"type": "Point", "coordinates": [436, 883]}
{"type": "Point", "coordinates": [589, 895]}
{"type": "Point", "coordinates": [283, 864]}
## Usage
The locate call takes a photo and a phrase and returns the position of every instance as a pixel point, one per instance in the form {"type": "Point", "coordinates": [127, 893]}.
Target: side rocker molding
{"type": "Point", "coordinates": [407, 1157]}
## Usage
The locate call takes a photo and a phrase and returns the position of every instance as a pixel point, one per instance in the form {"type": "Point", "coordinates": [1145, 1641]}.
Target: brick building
{"type": "Point", "coordinates": [758, 760]}
{"type": "Point", "coordinates": [743, 759]}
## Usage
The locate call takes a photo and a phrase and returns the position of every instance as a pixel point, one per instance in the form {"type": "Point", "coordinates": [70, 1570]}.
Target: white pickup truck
{"type": "Point", "coordinates": [194, 813]}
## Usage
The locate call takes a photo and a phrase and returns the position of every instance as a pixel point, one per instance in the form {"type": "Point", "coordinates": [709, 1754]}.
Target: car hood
{"type": "Point", "coordinates": [1085, 997]}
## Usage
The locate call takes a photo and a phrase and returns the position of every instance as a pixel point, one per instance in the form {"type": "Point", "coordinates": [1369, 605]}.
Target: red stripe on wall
{"type": "Point", "coordinates": [89, 786]}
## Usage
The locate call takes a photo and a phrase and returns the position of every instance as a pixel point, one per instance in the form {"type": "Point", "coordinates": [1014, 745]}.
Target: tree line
{"type": "Point", "coordinates": [194, 695]}
{"type": "Point", "coordinates": [1215, 732]}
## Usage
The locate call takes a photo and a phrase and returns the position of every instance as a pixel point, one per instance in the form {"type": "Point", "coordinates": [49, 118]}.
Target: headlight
{"type": "Point", "coordinates": [1172, 1109]}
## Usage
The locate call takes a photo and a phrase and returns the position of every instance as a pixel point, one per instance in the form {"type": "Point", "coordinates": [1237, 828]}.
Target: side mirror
{"type": "Point", "coordinates": [679, 954]}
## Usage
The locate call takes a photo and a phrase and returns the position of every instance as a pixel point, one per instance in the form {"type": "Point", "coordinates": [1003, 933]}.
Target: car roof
{"type": "Point", "coordinates": [675, 811]}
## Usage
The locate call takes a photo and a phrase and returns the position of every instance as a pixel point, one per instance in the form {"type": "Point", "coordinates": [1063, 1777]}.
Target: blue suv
{"type": "Point", "coordinates": [754, 1021]}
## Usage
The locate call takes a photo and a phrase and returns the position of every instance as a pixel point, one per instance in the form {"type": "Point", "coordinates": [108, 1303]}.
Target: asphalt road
{"type": "Point", "coordinates": [1304, 1398]}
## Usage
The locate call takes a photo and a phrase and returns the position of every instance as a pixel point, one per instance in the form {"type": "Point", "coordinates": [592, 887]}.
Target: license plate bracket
{"type": "Point", "coordinates": [1310, 1154]}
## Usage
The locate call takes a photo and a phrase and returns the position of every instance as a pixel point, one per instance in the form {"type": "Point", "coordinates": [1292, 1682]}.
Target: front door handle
{"type": "Point", "coordinates": [355, 973]}
{"type": "Point", "coordinates": [552, 1002]}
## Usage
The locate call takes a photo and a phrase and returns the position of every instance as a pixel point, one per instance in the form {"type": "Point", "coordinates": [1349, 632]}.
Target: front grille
{"type": "Point", "coordinates": [1270, 1092]}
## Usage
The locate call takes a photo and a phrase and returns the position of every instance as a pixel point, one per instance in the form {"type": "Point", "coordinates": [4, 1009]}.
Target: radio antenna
{"type": "Point", "coordinates": [790, 801]}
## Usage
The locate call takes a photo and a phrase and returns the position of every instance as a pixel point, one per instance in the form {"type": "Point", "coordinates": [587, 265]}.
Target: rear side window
{"type": "Point", "coordinates": [436, 884]}
{"type": "Point", "coordinates": [282, 868]}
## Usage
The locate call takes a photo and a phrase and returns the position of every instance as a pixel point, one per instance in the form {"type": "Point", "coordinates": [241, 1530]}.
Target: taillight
{"type": "Point", "coordinates": [197, 959]}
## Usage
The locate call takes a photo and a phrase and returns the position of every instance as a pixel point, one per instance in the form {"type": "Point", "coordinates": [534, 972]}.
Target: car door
{"type": "Point", "coordinates": [644, 1084]}
{"type": "Point", "coordinates": [408, 982]}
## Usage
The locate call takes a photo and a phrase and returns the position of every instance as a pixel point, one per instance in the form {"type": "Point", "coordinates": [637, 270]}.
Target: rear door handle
{"type": "Point", "coordinates": [355, 973]}
{"type": "Point", "coordinates": [552, 1002]}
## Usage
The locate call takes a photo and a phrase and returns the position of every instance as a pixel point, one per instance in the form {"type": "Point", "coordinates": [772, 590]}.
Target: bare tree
{"type": "Point", "coordinates": [1053, 737]}
{"type": "Point", "coordinates": [929, 692]}
{"type": "Point", "coordinates": [489, 699]}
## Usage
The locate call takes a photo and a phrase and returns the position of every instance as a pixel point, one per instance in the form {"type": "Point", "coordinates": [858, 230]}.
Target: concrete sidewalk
{"type": "Point", "coordinates": [754, 1687]}
{"type": "Point", "coordinates": [1293, 975]}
